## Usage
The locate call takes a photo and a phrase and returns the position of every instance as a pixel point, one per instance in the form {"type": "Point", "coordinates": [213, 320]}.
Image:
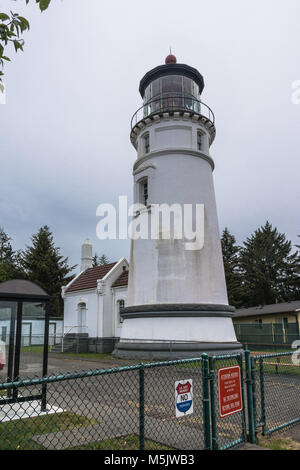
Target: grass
{"type": "Point", "coordinates": [34, 349]}
{"type": "Point", "coordinates": [275, 443]}
{"type": "Point", "coordinates": [40, 350]}
{"type": "Point", "coordinates": [18, 434]}
{"type": "Point", "coordinates": [130, 442]}
{"type": "Point", "coordinates": [281, 365]}
{"type": "Point", "coordinates": [99, 356]}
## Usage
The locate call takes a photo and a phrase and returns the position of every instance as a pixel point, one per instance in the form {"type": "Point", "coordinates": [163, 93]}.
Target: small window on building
{"type": "Point", "coordinates": [146, 140]}
{"type": "Point", "coordinates": [199, 140]}
{"type": "Point", "coordinates": [81, 327]}
{"type": "Point", "coordinates": [286, 323]}
{"type": "Point", "coordinates": [258, 323]}
{"type": "Point", "coordinates": [121, 305]}
{"type": "Point", "coordinates": [143, 191]}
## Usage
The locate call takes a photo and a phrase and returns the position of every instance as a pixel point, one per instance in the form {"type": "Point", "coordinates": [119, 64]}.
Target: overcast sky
{"type": "Point", "coordinates": [64, 131]}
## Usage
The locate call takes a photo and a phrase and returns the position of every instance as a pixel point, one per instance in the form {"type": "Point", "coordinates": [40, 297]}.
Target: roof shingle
{"type": "Point", "coordinates": [283, 307]}
{"type": "Point", "coordinates": [122, 280]}
{"type": "Point", "coordinates": [88, 279]}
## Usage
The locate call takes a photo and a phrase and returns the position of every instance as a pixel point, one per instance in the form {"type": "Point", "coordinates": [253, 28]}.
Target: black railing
{"type": "Point", "coordinates": [171, 103]}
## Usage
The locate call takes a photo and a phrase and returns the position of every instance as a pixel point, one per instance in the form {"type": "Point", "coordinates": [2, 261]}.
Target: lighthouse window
{"type": "Point", "coordinates": [199, 140]}
{"type": "Point", "coordinates": [145, 192]}
{"type": "Point", "coordinates": [146, 139]}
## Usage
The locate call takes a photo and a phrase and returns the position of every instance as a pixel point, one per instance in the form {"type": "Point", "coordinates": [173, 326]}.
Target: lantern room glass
{"type": "Point", "coordinates": [171, 93]}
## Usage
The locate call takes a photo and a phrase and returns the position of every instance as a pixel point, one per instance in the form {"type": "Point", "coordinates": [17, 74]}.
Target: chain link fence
{"type": "Point", "coordinates": [120, 409]}
{"type": "Point", "coordinates": [138, 407]}
{"type": "Point", "coordinates": [267, 337]}
{"type": "Point", "coordinates": [228, 430]}
{"type": "Point", "coordinates": [276, 391]}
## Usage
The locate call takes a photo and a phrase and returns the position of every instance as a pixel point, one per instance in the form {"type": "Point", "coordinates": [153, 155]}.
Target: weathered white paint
{"type": "Point", "coordinates": [163, 271]}
{"type": "Point", "coordinates": [72, 303]}
{"type": "Point", "coordinates": [86, 255]}
{"type": "Point", "coordinates": [203, 329]}
{"type": "Point", "coordinates": [100, 306]}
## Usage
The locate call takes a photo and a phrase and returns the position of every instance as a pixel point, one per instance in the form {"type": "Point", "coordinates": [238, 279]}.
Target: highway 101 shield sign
{"type": "Point", "coordinates": [184, 398]}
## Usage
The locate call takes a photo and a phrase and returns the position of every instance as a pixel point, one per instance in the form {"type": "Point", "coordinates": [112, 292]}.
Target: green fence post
{"type": "Point", "coordinates": [205, 399]}
{"type": "Point", "coordinates": [253, 378]}
{"type": "Point", "coordinates": [240, 359]}
{"type": "Point", "coordinates": [213, 404]}
{"type": "Point", "coordinates": [142, 406]}
{"type": "Point", "coordinates": [262, 395]}
{"type": "Point", "coordinates": [251, 421]}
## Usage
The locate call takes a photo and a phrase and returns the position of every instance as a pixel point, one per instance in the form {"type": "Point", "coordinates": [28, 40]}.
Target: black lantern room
{"type": "Point", "coordinates": [23, 303]}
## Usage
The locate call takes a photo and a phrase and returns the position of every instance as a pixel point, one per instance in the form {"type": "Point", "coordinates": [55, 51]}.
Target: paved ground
{"type": "Point", "coordinates": [294, 433]}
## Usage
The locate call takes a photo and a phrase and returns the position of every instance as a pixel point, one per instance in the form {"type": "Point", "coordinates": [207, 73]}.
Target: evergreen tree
{"type": "Point", "coordinates": [9, 259]}
{"type": "Point", "coordinates": [270, 270]}
{"type": "Point", "coordinates": [45, 266]}
{"type": "Point", "coordinates": [231, 266]}
{"type": "Point", "coordinates": [95, 260]}
{"type": "Point", "coordinates": [100, 260]}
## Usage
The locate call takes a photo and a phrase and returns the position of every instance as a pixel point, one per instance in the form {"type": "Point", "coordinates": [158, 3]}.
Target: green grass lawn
{"type": "Point", "coordinates": [18, 434]}
{"type": "Point", "coordinates": [130, 442]}
{"type": "Point", "coordinates": [280, 365]}
{"type": "Point", "coordinates": [34, 349]}
{"type": "Point", "coordinates": [99, 356]}
{"type": "Point", "coordinates": [279, 443]}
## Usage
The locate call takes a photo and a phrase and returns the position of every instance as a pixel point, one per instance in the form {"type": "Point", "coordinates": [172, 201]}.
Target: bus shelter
{"type": "Point", "coordinates": [20, 301]}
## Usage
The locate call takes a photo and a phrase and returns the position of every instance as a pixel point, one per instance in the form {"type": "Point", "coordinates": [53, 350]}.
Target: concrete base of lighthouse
{"type": "Point", "coordinates": [176, 331]}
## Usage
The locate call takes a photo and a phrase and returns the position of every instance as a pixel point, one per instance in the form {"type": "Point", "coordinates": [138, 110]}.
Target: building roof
{"type": "Point", "coordinates": [171, 69]}
{"type": "Point", "coordinates": [88, 279]}
{"type": "Point", "coordinates": [284, 307]}
{"type": "Point", "coordinates": [21, 288]}
{"type": "Point", "coordinates": [122, 281]}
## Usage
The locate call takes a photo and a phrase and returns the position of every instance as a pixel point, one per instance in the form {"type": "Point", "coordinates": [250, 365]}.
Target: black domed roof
{"type": "Point", "coordinates": [171, 69]}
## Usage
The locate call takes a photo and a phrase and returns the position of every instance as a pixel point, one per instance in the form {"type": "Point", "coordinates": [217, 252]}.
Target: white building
{"type": "Point", "coordinates": [177, 304]}
{"type": "Point", "coordinates": [92, 303]}
{"type": "Point", "coordinates": [176, 295]}
{"type": "Point", "coordinates": [33, 326]}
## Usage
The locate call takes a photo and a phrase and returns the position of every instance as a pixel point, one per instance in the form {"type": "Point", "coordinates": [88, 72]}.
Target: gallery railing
{"type": "Point", "coordinates": [171, 103]}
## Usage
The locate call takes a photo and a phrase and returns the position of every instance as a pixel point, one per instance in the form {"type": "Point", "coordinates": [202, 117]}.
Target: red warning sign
{"type": "Point", "coordinates": [230, 391]}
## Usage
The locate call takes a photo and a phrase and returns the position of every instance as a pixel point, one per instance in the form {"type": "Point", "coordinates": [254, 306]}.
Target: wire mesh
{"type": "Point", "coordinates": [278, 384]}
{"type": "Point", "coordinates": [229, 428]}
{"type": "Point", "coordinates": [89, 410]}
{"type": "Point", "coordinates": [162, 425]}
{"type": "Point", "coordinates": [136, 407]}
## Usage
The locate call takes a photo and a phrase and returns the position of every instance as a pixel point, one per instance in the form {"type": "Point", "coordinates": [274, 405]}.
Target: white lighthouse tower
{"type": "Point", "coordinates": [177, 303]}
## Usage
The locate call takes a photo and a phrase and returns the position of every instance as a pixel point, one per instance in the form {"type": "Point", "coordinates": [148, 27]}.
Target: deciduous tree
{"type": "Point", "coordinates": [12, 27]}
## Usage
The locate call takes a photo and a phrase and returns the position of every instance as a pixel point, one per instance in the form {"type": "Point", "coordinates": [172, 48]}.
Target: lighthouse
{"type": "Point", "coordinates": [177, 304]}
